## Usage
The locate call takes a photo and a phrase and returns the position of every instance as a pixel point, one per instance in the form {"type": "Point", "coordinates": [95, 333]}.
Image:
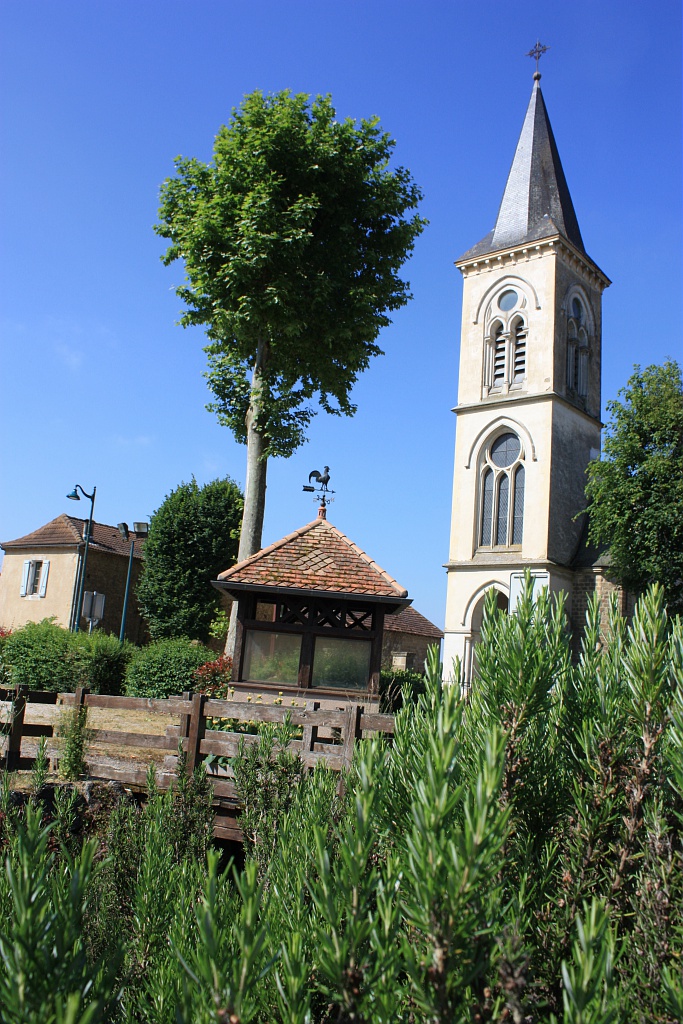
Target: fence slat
{"type": "Point", "coordinates": [29, 729]}
{"type": "Point", "coordinates": [268, 713]}
{"type": "Point", "coordinates": [377, 723]}
{"type": "Point", "coordinates": [33, 696]}
{"type": "Point", "coordinates": [170, 706]}
{"type": "Point", "coordinates": [133, 739]}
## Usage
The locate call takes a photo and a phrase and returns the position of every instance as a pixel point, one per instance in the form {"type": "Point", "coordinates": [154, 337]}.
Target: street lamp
{"type": "Point", "coordinates": [88, 533]}
{"type": "Point", "coordinates": [139, 531]}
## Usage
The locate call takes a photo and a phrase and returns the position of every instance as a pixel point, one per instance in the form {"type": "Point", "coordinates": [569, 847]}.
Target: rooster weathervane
{"type": "Point", "coordinates": [320, 489]}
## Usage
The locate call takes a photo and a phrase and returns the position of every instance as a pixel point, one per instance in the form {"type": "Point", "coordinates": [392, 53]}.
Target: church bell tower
{"type": "Point", "coordinates": [528, 412]}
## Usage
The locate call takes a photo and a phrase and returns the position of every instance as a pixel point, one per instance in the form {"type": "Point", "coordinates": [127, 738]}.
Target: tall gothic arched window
{"type": "Point", "coordinates": [502, 492]}
{"type": "Point", "coordinates": [577, 350]}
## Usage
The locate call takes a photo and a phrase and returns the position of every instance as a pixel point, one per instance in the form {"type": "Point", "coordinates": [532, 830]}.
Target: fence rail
{"type": "Point", "coordinates": [327, 735]}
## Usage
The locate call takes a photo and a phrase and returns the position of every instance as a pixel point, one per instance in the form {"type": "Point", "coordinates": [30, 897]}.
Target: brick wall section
{"type": "Point", "coordinates": [410, 643]}
{"type": "Point", "coordinates": [586, 583]}
{"type": "Point", "coordinates": [106, 573]}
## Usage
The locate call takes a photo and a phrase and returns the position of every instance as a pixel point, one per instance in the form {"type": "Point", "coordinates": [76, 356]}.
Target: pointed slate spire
{"type": "Point", "coordinates": [536, 202]}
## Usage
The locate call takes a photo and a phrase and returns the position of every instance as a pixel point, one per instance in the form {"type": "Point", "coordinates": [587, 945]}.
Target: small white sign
{"type": "Point", "coordinates": [539, 580]}
{"type": "Point", "coordinates": [93, 606]}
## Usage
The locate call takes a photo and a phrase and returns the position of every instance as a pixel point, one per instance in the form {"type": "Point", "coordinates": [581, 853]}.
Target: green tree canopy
{"type": "Point", "coordinates": [292, 241]}
{"type": "Point", "coordinates": [635, 493]}
{"type": "Point", "coordinates": [193, 536]}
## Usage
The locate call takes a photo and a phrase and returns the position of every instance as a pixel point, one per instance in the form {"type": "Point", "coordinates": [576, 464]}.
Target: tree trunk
{"type": "Point", "coordinates": [255, 486]}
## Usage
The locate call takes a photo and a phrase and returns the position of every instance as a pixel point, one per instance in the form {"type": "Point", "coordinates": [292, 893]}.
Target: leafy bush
{"type": "Point", "coordinates": [193, 536]}
{"type": "Point", "coordinates": [165, 667]}
{"type": "Point", "coordinates": [40, 655]}
{"type": "Point", "coordinates": [395, 685]}
{"type": "Point", "coordinates": [214, 678]}
{"type": "Point", "coordinates": [101, 661]}
{"type": "Point", "coordinates": [45, 656]}
{"type": "Point", "coordinates": [4, 668]}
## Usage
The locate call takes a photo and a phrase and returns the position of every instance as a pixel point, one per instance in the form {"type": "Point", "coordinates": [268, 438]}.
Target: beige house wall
{"type": "Point", "coordinates": [105, 572]}
{"type": "Point", "coordinates": [15, 610]}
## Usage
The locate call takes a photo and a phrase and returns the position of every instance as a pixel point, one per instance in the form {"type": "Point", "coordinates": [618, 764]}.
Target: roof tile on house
{"type": "Point", "coordinates": [67, 531]}
{"type": "Point", "coordinates": [408, 620]}
{"type": "Point", "coordinates": [318, 557]}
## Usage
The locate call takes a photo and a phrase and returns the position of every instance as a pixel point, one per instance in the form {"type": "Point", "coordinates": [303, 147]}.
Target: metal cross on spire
{"type": "Point", "coordinates": [537, 52]}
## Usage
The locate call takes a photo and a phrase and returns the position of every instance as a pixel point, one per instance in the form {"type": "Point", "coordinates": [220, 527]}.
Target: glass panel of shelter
{"type": "Point", "coordinates": [323, 633]}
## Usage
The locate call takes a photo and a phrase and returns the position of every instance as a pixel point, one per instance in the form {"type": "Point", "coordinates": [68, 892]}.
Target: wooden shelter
{"type": "Point", "coordinates": [310, 616]}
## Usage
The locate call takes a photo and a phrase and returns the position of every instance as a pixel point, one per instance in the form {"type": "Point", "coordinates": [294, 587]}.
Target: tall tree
{"type": "Point", "coordinates": [635, 493]}
{"type": "Point", "coordinates": [292, 240]}
{"type": "Point", "coordinates": [193, 535]}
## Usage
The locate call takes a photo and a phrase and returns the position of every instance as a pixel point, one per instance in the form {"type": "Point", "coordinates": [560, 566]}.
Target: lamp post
{"type": "Point", "coordinates": [88, 533]}
{"type": "Point", "coordinates": [139, 531]}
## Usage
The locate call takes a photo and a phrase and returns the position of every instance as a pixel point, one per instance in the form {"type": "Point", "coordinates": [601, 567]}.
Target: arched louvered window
{"type": "Point", "coordinates": [519, 334]}
{"type": "Point", "coordinates": [498, 377]}
{"type": "Point", "coordinates": [505, 347]}
{"type": "Point", "coordinates": [502, 492]}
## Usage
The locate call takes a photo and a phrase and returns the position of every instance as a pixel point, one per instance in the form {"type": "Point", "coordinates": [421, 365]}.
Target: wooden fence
{"type": "Point", "coordinates": [326, 734]}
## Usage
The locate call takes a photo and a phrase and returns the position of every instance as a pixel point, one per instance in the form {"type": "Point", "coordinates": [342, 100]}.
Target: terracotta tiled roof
{"type": "Point", "coordinates": [410, 621]}
{"type": "Point", "coordinates": [67, 531]}
{"type": "Point", "coordinates": [316, 557]}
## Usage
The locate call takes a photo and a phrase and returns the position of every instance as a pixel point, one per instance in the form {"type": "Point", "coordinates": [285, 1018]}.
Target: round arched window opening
{"type": "Point", "coordinates": [508, 300]}
{"type": "Point", "coordinates": [505, 450]}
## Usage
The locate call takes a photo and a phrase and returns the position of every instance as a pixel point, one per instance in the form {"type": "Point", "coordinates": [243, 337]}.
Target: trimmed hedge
{"type": "Point", "coordinates": [40, 655]}
{"type": "Point", "coordinates": [45, 656]}
{"type": "Point", "coordinates": [166, 667]}
{"type": "Point", "coordinates": [101, 661]}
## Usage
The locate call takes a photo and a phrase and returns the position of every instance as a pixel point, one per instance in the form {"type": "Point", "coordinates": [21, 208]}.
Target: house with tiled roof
{"type": "Point", "coordinates": [312, 610]}
{"type": "Point", "coordinates": [41, 570]}
{"type": "Point", "coordinates": [408, 635]}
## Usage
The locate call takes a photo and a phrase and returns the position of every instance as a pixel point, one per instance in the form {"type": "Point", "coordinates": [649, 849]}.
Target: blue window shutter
{"type": "Point", "coordinates": [43, 578]}
{"type": "Point", "coordinates": [24, 578]}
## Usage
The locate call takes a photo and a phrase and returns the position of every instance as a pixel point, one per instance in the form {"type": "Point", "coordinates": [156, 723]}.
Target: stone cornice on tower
{"type": "Point", "coordinates": [517, 399]}
{"type": "Point", "coordinates": [519, 254]}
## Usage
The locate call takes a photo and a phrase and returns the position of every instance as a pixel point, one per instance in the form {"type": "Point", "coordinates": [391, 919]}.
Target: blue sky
{"type": "Point", "coordinates": [97, 383]}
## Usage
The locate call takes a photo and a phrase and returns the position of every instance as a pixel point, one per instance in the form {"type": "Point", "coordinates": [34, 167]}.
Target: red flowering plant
{"type": "Point", "coordinates": [214, 678]}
